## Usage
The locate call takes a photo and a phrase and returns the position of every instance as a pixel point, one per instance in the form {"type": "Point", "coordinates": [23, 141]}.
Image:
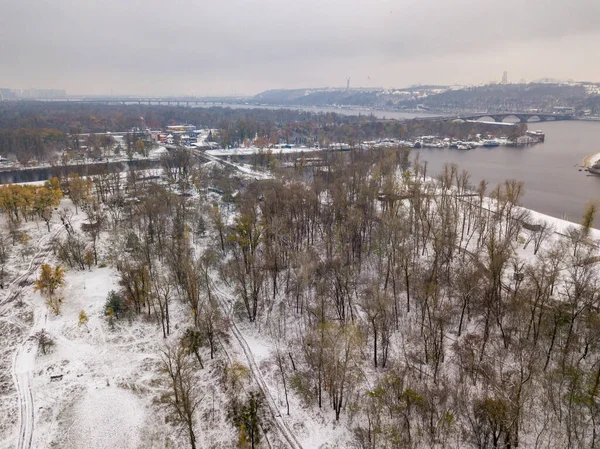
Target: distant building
{"type": "Point", "coordinates": [592, 89]}
{"type": "Point", "coordinates": [43, 94]}
{"type": "Point", "coordinates": [32, 94]}
{"type": "Point", "coordinates": [563, 110]}
{"type": "Point", "coordinates": [8, 94]}
{"type": "Point", "coordinates": [505, 77]}
{"type": "Point", "coordinates": [181, 128]}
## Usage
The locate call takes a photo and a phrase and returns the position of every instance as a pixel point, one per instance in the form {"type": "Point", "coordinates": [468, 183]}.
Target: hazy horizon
{"type": "Point", "coordinates": [196, 48]}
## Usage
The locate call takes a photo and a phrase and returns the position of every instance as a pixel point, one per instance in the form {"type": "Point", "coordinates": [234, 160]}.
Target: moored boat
{"type": "Point", "coordinates": [490, 143]}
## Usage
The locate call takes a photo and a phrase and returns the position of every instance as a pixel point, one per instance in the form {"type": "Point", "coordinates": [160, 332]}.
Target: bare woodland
{"type": "Point", "coordinates": [419, 312]}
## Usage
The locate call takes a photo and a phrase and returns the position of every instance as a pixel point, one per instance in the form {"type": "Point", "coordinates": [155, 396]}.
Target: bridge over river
{"type": "Point", "coordinates": [523, 117]}
{"type": "Point", "coordinates": [167, 100]}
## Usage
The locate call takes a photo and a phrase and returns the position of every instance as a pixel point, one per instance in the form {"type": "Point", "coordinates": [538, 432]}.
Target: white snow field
{"type": "Point", "coordinates": [104, 418]}
{"type": "Point", "coordinates": [92, 404]}
{"type": "Point", "coordinates": [95, 403]}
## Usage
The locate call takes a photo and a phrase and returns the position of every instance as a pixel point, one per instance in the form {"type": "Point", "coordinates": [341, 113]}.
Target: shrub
{"type": "Point", "coordinates": [300, 383]}
{"type": "Point", "coordinates": [250, 418]}
{"type": "Point", "coordinates": [115, 305]}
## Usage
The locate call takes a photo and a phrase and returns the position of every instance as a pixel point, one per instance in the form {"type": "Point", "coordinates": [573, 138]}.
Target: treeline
{"type": "Point", "coordinates": [367, 128]}
{"type": "Point", "coordinates": [98, 118]}
{"type": "Point", "coordinates": [31, 143]}
{"type": "Point", "coordinates": [593, 103]}
{"type": "Point", "coordinates": [24, 202]}
{"type": "Point", "coordinates": [490, 98]}
{"type": "Point", "coordinates": [38, 130]}
{"type": "Point", "coordinates": [509, 97]}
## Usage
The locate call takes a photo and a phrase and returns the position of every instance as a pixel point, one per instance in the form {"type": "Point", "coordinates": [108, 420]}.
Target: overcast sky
{"type": "Point", "coordinates": [245, 46]}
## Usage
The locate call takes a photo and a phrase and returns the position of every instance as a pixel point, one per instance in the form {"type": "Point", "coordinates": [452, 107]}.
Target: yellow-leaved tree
{"type": "Point", "coordinates": [83, 318]}
{"type": "Point", "coordinates": [29, 201]}
{"type": "Point", "coordinates": [80, 190]}
{"type": "Point", "coordinates": [49, 282]}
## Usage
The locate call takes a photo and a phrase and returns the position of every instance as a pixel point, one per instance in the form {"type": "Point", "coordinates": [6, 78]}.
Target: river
{"type": "Point", "coordinates": [553, 183]}
{"type": "Point", "coordinates": [379, 113]}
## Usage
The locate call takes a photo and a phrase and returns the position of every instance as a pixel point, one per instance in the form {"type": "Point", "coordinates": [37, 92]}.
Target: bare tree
{"type": "Point", "coordinates": [280, 360]}
{"type": "Point", "coordinates": [162, 295]}
{"type": "Point", "coordinates": [246, 266]}
{"type": "Point", "coordinates": [96, 218]}
{"type": "Point", "coordinates": [5, 250]}
{"type": "Point", "coordinates": [184, 396]}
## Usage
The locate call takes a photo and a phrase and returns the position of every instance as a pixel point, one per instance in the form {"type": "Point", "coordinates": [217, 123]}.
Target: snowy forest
{"type": "Point", "coordinates": [39, 131]}
{"type": "Point", "coordinates": [365, 304]}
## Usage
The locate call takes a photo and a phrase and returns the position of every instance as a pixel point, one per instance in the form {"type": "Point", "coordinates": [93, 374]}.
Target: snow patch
{"type": "Point", "coordinates": [104, 418]}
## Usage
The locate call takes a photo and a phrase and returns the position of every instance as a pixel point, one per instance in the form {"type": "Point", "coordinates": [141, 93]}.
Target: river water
{"type": "Point", "coordinates": [379, 113]}
{"type": "Point", "coordinates": [553, 183]}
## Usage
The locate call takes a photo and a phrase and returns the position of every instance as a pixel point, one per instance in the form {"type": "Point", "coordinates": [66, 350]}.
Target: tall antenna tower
{"type": "Point", "coordinates": [348, 83]}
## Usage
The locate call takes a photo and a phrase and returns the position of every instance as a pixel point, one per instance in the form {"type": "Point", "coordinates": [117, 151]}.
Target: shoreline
{"type": "Point", "coordinates": [590, 159]}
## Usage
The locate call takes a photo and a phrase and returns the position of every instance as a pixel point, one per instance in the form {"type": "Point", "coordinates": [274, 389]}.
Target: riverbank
{"type": "Point", "coordinates": [589, 160]}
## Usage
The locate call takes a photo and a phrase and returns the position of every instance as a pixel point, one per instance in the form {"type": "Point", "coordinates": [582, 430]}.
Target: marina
{"type": "Point", "coordinates": [554, 184]}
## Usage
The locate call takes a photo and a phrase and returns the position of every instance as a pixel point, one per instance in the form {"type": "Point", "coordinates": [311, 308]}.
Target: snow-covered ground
{"type": "Point", "coordinates": [109, 381]}
{"type": "Point", "coordinates": [305, 427]}
{"type": "Point", "coordinates": [104, 397]}
{"type": "Point", "coordinates": [109, 385]}
{"type": "Point", "coordinates": [255, 150]}
{"type": "Point", "coordinates": [98, 387]}
{"type": "Point", "coordinates": [99, 368]}
{"type": "Point", "coordinates": [591, 159]}
{"type": "Point", "coordinates": [156, 153]}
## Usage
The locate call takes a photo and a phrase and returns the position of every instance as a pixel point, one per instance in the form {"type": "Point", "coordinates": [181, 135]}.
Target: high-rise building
{"type": "Point", "coordinates": [505, 77]}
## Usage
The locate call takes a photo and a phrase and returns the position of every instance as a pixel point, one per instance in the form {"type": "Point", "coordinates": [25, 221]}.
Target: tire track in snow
{"type": "Point", "coordinates": [16, 286]}
{"type": "Point", "coordinates": [22, 370]}
{"type": "Point", "coordinates": [242, 170]}
{"type": "Point", "coordinates": [23, 362]}
{"type": "Point", "coordinates": [227, 302]}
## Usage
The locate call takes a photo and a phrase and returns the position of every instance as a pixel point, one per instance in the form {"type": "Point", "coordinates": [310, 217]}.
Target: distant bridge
{"type": "Point", "coordinates": [175, 101]}
{"type": "Point", "coordinates": [523, 117]}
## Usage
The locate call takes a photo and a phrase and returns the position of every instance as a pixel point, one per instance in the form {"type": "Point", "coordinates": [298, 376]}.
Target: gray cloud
{"type": "Point", "coordinates": [200, 47]}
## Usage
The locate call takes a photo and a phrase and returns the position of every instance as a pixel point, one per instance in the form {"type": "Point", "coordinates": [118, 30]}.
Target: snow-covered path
{"type": "Point", "coordinates": [227, 302]}
{"type": "Point", "coordinates": [23, 362]}
{"type": "Point", "coordinates": [15, 288]}
{"type": "Point", "coordinates": [22, 371]}
{"type": "Point", "coordinates": [245, 170]}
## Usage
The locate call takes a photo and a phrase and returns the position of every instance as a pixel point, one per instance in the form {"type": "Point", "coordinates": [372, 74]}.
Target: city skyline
{"type": "Point", "coordinates": [36, 92]}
